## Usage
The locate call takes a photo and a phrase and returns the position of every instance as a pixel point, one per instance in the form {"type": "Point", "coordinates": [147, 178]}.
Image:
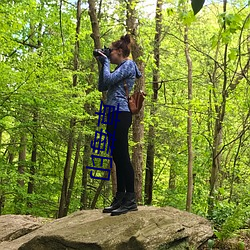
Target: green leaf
{"type": "Point", "coordinates": [188, 17]}
{"type": "Point", "coordinates": [226, 36]}
{"type": "Point", "coordinates": [233, 54]}
{"type": "Point", "coordinates": [197, 5]}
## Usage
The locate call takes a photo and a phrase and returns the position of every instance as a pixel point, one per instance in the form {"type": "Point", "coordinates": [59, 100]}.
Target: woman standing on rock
{"type": "Point", "coordinates": [126, 71]}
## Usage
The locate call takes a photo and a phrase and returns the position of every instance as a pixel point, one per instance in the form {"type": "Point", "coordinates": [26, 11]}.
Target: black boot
{"type": "Point", "coordinates": [128, 204]}
{"type": "Point", "coordinates": [117, 200]}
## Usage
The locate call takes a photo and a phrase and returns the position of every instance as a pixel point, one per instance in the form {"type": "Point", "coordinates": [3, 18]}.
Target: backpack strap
{"type": "Point", "coordinates": [126, 88]}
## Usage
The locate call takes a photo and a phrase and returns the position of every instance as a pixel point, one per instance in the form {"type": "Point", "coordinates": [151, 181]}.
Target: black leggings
{"type": "Point", "coordinates": [124, 169]}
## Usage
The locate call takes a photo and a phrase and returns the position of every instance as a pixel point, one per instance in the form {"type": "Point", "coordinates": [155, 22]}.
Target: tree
{"type": "Point", "coordinates": [228, 86]}
{"type": "Point", "coordinates": [151, 134]}
{"type": "Point", "coordinates": [137, 126]}
{"type": "Point", "coordinates": [66, 190]}
{"type": "Point", "coordinates": [189, 124]}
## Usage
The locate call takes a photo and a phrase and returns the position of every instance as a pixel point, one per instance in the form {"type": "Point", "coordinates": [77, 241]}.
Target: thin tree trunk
{"type": "Point", "coordinates": [151, 134]}
{"type": "Point", "coordinates": [234, 169]}
{"type": "Point", "coordinates": [86, 159]}
{"type": "Point", "coordinates": [1, 180]}
{"type": "Point", "coordinates": [64, 191]}
{"type": "Point", "coordinates": [77, 43]}
{"type": "Point", "coordinates": [172, 178]}
{"type": "Point", "coordinates": [97, 44]}
{"type": "Point", "coordinates": [34, 144]}
{"type": "Point", "coordinates": [73, 174]}
{"type": "Point", "coordinates": [189, 125]}
{"type": "Point", "coordinates": [99, 189]}
{"type": "Point", "coordinates": [137, 126]}
{"type": "Point", "coordinates": [19, 199]}
{"type": "Point", "coordinates": [113, 178]}
{"type": "Point", "coordinates": [217, 142]}
{"type": "Point", "coordinates": [35, 112]}
{"type": "Point", "coordinates": [96, 34]}
{"type": "Point", "coordinates": [172, 170]}
{"type": "Point", "coordinates": [32, 167]}
{"type": "Point", "coordinates": [87, 150]}
{"type": "Point", "coordinates": [245, 122]}
{"type": "Point", "coordinates": [67, 170]}
{"type": "Point", "coordinates": [33, 157]}
{"type": "Point", "coordinates": [2, 198]}
{"type": "Point", "coordinates": [22, 159]}
{"type": "Point", "coordinates": [11, 154]}
{"type": "Point", "coordinates": [95, 24]}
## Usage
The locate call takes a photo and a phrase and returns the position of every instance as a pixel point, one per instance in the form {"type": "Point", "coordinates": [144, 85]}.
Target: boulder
{"type": "Point", "coordinates": [148, 228]}
{"type": "Point", "coordinates": [15, 226]}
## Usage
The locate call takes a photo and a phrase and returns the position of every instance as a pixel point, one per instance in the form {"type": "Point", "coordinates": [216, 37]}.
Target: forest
{"type": "Point", "coordinates": [189, 144]}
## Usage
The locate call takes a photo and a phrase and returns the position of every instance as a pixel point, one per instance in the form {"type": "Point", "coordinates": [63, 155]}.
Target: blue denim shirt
{"type": "Point", "coordinates": [114, 82]}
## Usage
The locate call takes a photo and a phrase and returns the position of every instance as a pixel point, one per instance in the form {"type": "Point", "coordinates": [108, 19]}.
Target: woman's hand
{"type": "Point", "coordinates": [101, 58]}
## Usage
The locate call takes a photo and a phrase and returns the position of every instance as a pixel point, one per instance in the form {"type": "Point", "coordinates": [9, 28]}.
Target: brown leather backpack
{"type": "Point", "coordinates": [135, 100]}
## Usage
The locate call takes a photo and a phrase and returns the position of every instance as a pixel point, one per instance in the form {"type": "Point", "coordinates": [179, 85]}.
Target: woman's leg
{"type": "Point", "coordinates": [124, 169]}
{"type": "Point", "coordinates": [123, 164]}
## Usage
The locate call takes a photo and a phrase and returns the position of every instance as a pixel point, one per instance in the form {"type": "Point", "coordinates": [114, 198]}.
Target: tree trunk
{"type": "Point", "coordinates": [86, 159]}
{"type": "Point", "coordinates": [32, 167]}
{"type": "Point", "coordinates": [63, 199]}
{"type": "Point", "coordinates": [172, 178]}
{"type": "Point", "coordinates": [33, 157]}
{"type": "Point", "coordinates": [217, 142]}
{"type": "Point", "coordinates": [73, 174]}
{"type": "Point", "coordinates": [9, 160]}
{"type": "Point", "coordinates": [11, 154]}
{"type": "Point", "coordinates": [1, 179]}
{"type": "Point", "coordinates": [87, 150]}
{"type": "Point", "coordinates": [172, 170]}
{"type": "Point", "coordinates": [21, 159]}
{"type": "Point", "coordinates": [113, 178]}
{"type": "Point", "coordinates": [94, 24]}
{"type": "Point", "coordinates": [96, 33]}
{"type": "Point", "coordinates": [137, 126]}
{"type": "Point", "coordinates": [99, 189]}
{"type": "Point", "coordinates": [77, 43]}
{"type": "Point", "coordinates": [19, 198]}
{"type": "Point", "coordinates": [151, 134]}
{"type": "Point", "coordinates": [35, 112]}
{"type": "Point", "coordinates": [66, 176]}
{"type": "Point", "coordinates": [97, 44]}
{"type": "Point", "coordinates": [189, 125]}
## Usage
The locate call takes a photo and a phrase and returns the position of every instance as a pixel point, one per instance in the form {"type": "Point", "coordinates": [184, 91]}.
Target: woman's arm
{"type": "Point", "coordinates": [123, 72]}
{"type": "Point", "coordinates": [101, 86]}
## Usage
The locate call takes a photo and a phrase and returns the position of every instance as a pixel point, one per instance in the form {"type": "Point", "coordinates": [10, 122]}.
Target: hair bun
{"type": "Point", "coordinates": [126, 39]}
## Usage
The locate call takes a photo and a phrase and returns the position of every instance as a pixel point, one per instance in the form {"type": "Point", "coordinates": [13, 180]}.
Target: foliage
{"type": "Point", "coordinates": [235, 221]}
{"type": "Point", "coordinates": [36, 68]}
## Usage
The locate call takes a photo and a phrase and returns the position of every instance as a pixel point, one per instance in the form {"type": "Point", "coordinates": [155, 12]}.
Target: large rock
{"type": "Point", "coordinates": [15, 226]}
{"type": "Point", "coordinates": [147, 229]}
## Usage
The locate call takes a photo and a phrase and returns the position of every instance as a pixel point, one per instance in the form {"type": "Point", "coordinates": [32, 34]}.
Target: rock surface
{"type": "Point", "coordinates": [148, 228]}
{"type": "Point", "coordinates": [15, 226]}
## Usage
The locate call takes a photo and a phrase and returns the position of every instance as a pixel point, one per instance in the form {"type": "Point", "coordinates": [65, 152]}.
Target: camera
{"type": "Point", "coordinates": [106, 51]}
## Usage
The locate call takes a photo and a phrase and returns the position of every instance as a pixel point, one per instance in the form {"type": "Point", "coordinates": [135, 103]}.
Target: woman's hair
{"type": "Point", "coordinates": [124, 44]}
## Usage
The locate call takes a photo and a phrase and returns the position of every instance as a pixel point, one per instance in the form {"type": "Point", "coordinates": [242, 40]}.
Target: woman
{"type": "Point", "coordinates": [126, 71]}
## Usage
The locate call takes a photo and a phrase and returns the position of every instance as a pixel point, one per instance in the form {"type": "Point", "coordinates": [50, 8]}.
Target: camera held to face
{"type": "Point", "coordinates": [106, 51]}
